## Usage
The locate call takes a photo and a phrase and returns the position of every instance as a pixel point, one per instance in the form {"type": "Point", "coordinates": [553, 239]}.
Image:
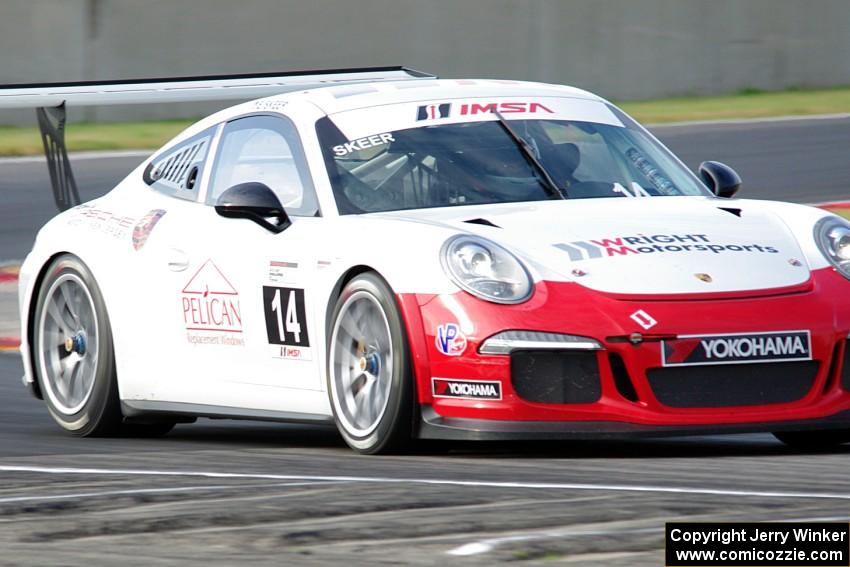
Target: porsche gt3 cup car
{"type": "Point", "coordinates": [415, 258]}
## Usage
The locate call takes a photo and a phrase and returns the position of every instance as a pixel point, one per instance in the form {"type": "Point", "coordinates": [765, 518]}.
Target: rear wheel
{"type": "Point", "coordinates": [369, 381]}
{"type": "Point", "coordinates": [814, 439]}
{"type": "Point", "coordinates": [73, 354]}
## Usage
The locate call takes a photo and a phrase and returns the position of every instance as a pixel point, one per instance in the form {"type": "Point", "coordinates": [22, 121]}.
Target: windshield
{"type": "Point", "coordinates": [477, 161]}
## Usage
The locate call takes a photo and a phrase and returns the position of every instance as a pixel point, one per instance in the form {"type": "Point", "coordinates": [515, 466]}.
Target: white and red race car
{"type": "Point", "coordinates": [411, 257]}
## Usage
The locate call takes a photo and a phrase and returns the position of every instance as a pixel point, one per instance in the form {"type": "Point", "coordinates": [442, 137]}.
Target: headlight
{"type": "Point", "coordinates": [833, 238]}
{"type": "Point", "coordinates": [486, 270]}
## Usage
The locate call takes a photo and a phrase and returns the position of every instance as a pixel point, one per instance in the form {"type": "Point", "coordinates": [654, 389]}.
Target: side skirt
{"type": "Point", "coordinates": [140, 410]}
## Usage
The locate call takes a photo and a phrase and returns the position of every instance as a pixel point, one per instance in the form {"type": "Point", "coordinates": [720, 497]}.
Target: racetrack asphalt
{"type": "Point", "coordinates": [272, 494]}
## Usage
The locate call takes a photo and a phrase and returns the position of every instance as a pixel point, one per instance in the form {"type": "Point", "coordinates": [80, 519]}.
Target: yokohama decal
{"type": "Point", "coordinates": [738, 348]}
{"type": "Point", "coordinates": [466, 389]}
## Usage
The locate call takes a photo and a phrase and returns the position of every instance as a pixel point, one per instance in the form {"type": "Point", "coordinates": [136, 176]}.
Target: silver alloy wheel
{"type": "Point", "coordinates": [361, 363]}
{"type": "Point", "coordinates": [68, 340]}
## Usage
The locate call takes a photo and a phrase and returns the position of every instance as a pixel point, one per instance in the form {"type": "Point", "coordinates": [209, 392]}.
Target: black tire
{"type": "Point", "coordinates": [815, 440]}
{"type": "Point", "coordinates": [384, 379]}
{"type": "Point", "coordinates": [98, 412]}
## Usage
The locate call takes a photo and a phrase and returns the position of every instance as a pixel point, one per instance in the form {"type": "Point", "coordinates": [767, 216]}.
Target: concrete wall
{"type": "Point", "coordinates": [622, 49]}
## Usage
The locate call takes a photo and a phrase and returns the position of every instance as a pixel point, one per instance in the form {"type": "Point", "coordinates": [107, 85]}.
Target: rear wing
{"type": "Point", "coordinates": [51, 101]}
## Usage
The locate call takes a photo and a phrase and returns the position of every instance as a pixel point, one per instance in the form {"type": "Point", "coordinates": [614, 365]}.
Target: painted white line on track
{"type": "Point", "coordinates": [76, 156]}
{"type": "Point", "coordinates": [130, 492]}
{"type": "Point", "coordinates": [436, 482]}
{"type": "Point", "coordinates": [744, 121]}
{"type": "Point", "coordinates": [487, 545]}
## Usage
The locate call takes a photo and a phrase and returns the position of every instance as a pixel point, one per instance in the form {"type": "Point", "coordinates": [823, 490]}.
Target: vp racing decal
{"type": "Point", "coordinates": [212, 313]}
{"type": "Point", "coordinates": [286, 322]}
{"type": "Point", "coordinates": [657, 243]}
{"type": "Point", "coordinates": [466, 389]}
{"type": "Point", "coordinates": [450, 339]}
{"type": "Point", "coordinates": [701, 350]}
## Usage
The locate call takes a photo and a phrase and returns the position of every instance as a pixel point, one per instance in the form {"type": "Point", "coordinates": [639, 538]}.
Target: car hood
{"type": "Point", "coordinates": [665, 245]}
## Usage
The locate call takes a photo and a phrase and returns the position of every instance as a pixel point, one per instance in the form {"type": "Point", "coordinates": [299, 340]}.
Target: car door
{"type": "Point", "coordinates": [233, 307]}
{"type": "Point", "coordinates": [275, 365]}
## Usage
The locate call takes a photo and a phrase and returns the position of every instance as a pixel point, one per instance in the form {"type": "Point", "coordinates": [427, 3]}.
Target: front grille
{"type": "Point", "coordinates": [555, 377]}
{"type": "Point", "coordinates": [727, 385]}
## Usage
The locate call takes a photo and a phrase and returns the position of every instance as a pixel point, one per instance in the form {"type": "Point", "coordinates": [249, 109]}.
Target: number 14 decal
{"type": "Point", "coordinates": [285, 316]}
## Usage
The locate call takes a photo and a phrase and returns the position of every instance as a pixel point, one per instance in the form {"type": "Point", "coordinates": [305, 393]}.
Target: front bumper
{"type": "Point", "coordinates": [434, 426]}
{"type": "Point", "coordinates": [769, 401]}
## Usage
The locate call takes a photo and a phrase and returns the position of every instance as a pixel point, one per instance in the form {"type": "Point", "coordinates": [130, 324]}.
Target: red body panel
{"type": "Point", "coordinates": [570, 308]}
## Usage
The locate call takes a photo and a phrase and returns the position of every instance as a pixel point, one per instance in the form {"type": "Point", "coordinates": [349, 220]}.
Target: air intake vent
{"type": "Point", "coordinates": [172, 169]}
{"type": "Point", "coordinates": [622, 380]}
{"type": "Point", "coordinates": [727, 385]}
{"type": "Point", "coordinates": [556, 377]}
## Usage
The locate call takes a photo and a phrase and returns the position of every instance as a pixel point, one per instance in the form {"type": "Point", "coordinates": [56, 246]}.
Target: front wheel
{"type": "Point", "coordinates": [369, 379]}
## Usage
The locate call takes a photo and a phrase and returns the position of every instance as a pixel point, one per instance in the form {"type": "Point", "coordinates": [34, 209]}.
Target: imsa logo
{"type": "Point", "coordinates": [738, 348]}
{"type": "Point", "coordinates": [466, 389]}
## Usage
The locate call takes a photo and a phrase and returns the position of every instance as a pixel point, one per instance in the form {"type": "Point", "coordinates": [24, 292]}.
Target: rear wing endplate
{"type": "Point", "coordinates": [51, 101]}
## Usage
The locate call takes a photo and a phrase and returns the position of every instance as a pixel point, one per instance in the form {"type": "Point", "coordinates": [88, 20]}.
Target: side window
{"type": "Point", "coordinates": [264, 149]}
{"type": "Point", "coordinates": [178, 170]}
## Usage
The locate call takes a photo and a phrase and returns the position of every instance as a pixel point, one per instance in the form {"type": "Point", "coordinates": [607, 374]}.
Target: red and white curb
{"type": "Point", "coordinates": [8, 281]}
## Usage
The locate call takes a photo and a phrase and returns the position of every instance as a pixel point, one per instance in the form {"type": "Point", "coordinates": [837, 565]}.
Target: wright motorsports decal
{"type": "Point", "coordinates": [211, 310]}
{"type": "Point", "coordinates": [654, 244]}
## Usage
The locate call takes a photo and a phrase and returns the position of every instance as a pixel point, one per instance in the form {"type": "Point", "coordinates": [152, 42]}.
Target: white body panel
{"type": "Point", "coordinates": [162, 356]}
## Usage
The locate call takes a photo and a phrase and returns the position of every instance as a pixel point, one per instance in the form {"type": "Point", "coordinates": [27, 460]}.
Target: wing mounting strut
{"type": "Point", "coordinates": [51, 122]}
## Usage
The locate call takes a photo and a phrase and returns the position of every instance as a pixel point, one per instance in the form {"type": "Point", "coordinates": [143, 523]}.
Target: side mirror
{"type": "Point", "coordinates": [720, 178]}
{"type": "Point", "coordinates": [256, 202]}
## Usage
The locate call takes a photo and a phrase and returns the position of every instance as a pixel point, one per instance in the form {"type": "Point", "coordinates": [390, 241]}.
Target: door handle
{"type": "Point", "coordinates": [177, 260]}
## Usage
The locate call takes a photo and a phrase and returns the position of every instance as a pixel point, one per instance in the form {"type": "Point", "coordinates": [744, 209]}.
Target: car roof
{"type": "Point", "coordinates": [339, 98]}
{"type": "Point", "coordinates": [351, 96]}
